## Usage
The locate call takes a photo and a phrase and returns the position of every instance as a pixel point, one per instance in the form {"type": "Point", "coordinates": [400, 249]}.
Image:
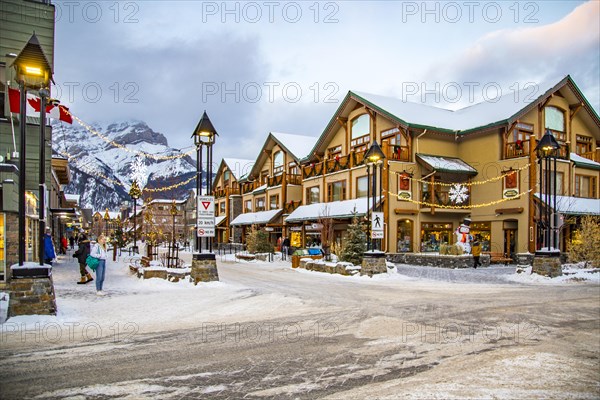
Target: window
{"type": "Point", "coordinates": [555, 121]}
{"type": "Point", "coordinates": [259, 204]}
{"type": "Point", "coordinates": [263, 177]}
{"type": "Point", "coordinates": [397, 143]}
{"type": "Point", "coordinates": [362, 187]}
{"type": "Point", "coordinates": [274, 202]}
{"type": "Point", "coordinates": [313, 195]}
{"type": "Point", "coordinates": [434, 234]}
{"type": "Point", "coordinates": [483, 232]}
{"type": "Point", "coordinates": [560, 190]}
{"type": "Point", "coordinates": [278, 163]}
{"type": "Point", "coordinates": [361, 126]}
{"type": "Point", "coordinates": [336, 191]}
{"type": "Point", "coordinates": [293, 169]}
{"type": "Point", "coordinates": [248, 206]}
{"type": "Point", "coordinates": [521, 132]}
{"type": "Point", "coordinates": [585, 186]}
{"type": "Point", "coordinates": [334, 151]}
{"type": "Point", "coordinates": [222, 208]}
{"type": "Point", "coordinates": [405, 236]}
{"type": "Point", "coordinates": [226, 176]}
{"type": "Point", "coordinates": [583, 145]}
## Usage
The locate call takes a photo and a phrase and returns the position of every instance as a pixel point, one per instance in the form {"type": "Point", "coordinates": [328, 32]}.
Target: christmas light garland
{"type": "Point", "coordinates": [101, 175]}
{"type": "Point", "coordinates": [90, 129]}
{"type": "Point", "coordinates": [404, 175]}
{"type": "Point", "coordinates": [465, 207]}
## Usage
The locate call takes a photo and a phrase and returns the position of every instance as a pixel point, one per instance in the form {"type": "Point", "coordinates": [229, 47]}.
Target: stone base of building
{"type": "Point", "coordinates": [204, 268]}
{"type": "Point", "coordinates": [437, 260]}
{"type": "Point", "coordinates": [547, 266]}
{"type": "Point", "coordinates": [373, 263]}
{"type": "Point", "coordinates": [32, 296]}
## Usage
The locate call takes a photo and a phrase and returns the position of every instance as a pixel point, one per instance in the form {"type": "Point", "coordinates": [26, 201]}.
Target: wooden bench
{"type": "Point", "coordinates": [497, 257]}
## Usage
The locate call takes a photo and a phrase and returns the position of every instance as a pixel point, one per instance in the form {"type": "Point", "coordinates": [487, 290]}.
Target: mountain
{"type": "Point", "coordinates": [102, 160]}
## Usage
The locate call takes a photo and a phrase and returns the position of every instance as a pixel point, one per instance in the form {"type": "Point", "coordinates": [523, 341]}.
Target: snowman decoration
{"type": "Point", "coordinates": [463, 239]}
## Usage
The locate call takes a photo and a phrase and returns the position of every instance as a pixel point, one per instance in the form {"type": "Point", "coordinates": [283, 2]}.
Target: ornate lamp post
{"type": "Point", "coordinates": [547, 151]}
{"type": "Point", "coordinates": [173, 214]}
{"type": "Point", "coordinates": [204, 135]}
{"type": "Point", "coordinates": [106, 219]}
{"type": "Point", "coordinates": [135, 194]}
{"type": "Point", "coordinates": [374, 157]}
{"type": "Point", "coordinates": [33, 71]}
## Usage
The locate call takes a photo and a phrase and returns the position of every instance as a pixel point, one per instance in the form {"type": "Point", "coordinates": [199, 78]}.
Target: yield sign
{"type": "Point", "coordinates": [206, 204]}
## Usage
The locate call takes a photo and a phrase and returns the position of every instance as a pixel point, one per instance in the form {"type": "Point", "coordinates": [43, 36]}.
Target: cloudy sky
{"type": "Point", "coordinates": [257, 67]}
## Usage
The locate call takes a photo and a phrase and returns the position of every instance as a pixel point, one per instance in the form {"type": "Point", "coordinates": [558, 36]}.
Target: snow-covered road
{"type": "Point", "coordinates": [269, 331]}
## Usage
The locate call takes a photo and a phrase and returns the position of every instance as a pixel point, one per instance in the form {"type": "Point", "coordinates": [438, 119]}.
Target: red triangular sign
{"type": "Point", "coordinates": [206, 204]}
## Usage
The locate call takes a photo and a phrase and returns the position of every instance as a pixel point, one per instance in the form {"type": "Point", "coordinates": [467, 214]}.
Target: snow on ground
{"type": "Point", "coordinates": [133, 304]}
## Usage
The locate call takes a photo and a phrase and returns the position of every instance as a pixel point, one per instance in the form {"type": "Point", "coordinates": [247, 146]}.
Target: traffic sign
{"type": "Point", "coordinates": [376, 225]}
{"type": "Point", "coordinates": [205, 220]}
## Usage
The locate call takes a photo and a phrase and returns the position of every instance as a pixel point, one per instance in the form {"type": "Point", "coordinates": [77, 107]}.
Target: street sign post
{"type": "Point", "coordinates": [205, 220]}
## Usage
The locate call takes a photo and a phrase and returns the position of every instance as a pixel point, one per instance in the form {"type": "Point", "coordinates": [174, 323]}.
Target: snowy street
{"type": "Point", "coordinates": [269, 331]}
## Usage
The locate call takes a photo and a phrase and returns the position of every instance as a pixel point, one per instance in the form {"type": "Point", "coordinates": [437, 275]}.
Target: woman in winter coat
{"type": "Point", "coordinates": [49, 253]}
{"type": "Point", "coordinates": [99, 251]}
{"type": "Point", "coordinates": [81, 254]}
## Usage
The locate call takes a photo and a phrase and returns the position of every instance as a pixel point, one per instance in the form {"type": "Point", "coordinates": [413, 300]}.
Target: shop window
{"type": "Point", "coordinates": [405, 236]}
{"type": "Point", "coordinates": [433, 234]}
{"type": "Point", "coordinates": [313, 195]}
{"type": "Point", "coordinates": [336, 191]}
{"type": "Point", "coordinates": [362, 187]}
{"type": "Point", "coordinates": [585, 186]}
{"type": "Point", "coordinates": [483, 232]}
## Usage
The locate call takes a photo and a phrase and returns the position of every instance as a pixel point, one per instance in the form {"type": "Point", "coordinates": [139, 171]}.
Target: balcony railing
{"type": "Point", "coordinates": [291, 206]}
{"type": "Point", "coordinates": [275, 180]}
{"type": "Point", "coordinates": [339, 163]}
{"type": "Point", "coordinates": [521, 148]}
{"type": "Point", "coordinates": [294, 179]}
{"type": "Point", "coordinates": [592, 155]}
{"type": "Point", "coordinates": [396, 153]}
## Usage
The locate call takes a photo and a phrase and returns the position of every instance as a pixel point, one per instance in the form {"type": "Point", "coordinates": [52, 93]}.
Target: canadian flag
{"type": "Point", "coordinates": [33, 107]}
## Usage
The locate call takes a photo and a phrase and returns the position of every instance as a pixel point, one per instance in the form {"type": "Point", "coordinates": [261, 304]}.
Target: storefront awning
{"type": "Point", "coordinates": [584, 162]}
{"type": "Point", "coordinates": [335, 209]}
{"type": "Point", "coordinates": [573, 205]}
{"type": "Point", "coordinates": [446, 164]}
{"type": "Point", "coordinates": [67, 212]}
{"type": "Point", "coordinates": [219, 220]}
{"type": "Point", "coordinates": [259, 218]}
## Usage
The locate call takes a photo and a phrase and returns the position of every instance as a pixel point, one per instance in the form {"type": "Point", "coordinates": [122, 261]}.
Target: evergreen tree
{"type": "Point", "coordinates": [257, 241]}
{"type": "Point", "coordinates": [585, 245]}
{"type": "Point", "coordinates": [355, 244]}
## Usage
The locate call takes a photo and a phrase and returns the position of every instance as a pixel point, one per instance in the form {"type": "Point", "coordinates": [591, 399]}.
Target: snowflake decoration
{"type": "Point", "coordinates": [139, 171]}
{"type": "Point", "coordinates": [459, 193]}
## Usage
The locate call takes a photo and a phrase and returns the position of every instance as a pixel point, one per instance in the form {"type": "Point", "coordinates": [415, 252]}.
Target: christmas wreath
{"type": "Point", "coordinates": [519, 145]}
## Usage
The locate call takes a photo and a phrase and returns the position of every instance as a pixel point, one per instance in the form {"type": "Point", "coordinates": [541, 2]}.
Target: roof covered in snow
{"type": "Point", "coordinates": [446, 164]}
{"type": "Point", "coordinates": [238, 166]}
{"type": "Point", "coordinates": [299, 146]}
{"type": "Point", "coordinates": [584, 162]}
{"type": "Point", "coordinates": [219, 220]}
{"type": "Point", "coordinates": [72, 197]}
{"type": "Point", "coordinates": [261, 217]}
{"type": "Point", "coordinates": [476, 116]}
{"type": "Point", "coordinates": [335, 209]}
{"type": "Point", "coordinates": [574, 205]}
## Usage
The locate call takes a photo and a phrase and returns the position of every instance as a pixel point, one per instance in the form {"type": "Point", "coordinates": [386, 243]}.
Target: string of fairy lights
{"type": "Point", "coordinates": [99, 174]}
{"type": "Point", "coordinates": [404, 175]}
{"type": "Point", "coordinates": [93, 131]}
{"type": "Point", "coordinates": [466, 206]}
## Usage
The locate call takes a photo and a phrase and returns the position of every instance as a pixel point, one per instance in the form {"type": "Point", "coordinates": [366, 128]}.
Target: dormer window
{"type": "Point", "coordinates": [360, 132]}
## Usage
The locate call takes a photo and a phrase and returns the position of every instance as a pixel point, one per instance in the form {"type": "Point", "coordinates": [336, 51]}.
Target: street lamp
{"type": "Point", "coordinates": [106, 219]}
{"type": "Point", "coordinates": [173, 214]}
{"type": "Point", "coordinates": [375, 157]}
{"type": "Point", "coordinates": [135, 194]}
{"type": "Point", "coordinates": [546, 150]}
{"type": "Point", "coordinates": [33, 72]}
{"type": "Point", "coordinates": [204, 135]}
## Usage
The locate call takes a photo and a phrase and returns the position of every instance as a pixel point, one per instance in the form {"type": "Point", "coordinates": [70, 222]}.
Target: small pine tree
{"type": "Point", "coordinates": [257, 241]}
{"type": "Point", "coordinates": [355, 244]}
{"type": "Point", "coordinates": [585, 246]}
{"type": "Point", "coordinates": [120, 236]}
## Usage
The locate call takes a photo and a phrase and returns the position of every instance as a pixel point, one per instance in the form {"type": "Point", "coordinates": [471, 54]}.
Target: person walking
{"type": "Point", "coordinates": [63, 245]}
{"type": "Point", "coordinates": [476, 251]}
{"type": "Point", "coordinates": [72, 242]}
{"type": "Point", "coordinates": [285, 247]}
{"type": "Point", "coordinates": [49, 253]}
{"type": "Point", "coordinates": [83, 250]}
{"type": "Point", "coordinates": [99, 252]}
